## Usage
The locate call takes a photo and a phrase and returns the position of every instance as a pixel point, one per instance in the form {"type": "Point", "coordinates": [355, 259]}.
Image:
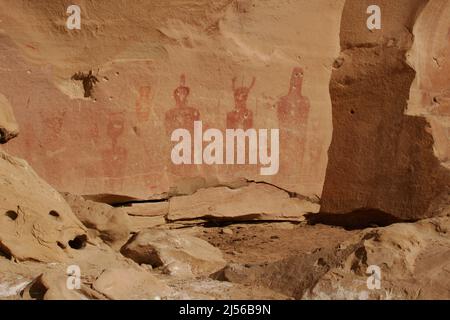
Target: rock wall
{"type": "Point", "coordinates": [231, 64]}
{"type": "Point", "coordinates": [161, 65]}
{"type": "Point", "coordinates": [382, 156]}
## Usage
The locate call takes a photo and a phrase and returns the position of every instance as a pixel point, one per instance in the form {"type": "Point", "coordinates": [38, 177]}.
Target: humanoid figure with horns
{"type": "Point", "coordinates": [240, 117]}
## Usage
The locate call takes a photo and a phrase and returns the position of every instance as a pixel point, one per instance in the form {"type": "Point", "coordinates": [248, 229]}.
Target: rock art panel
{"type": "Point", "coordinates": [113, 124]}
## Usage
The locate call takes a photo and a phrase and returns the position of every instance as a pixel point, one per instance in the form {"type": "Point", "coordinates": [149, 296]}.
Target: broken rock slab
{"type": "Point", "coordinates": [253, 202]}
{"type": "Point", "coordinates": [178, 253]}
{"type": "Point", "coordinates": [149, 209]}
{"type": "Point", "coordinates": [130, 284]}
{"type": "Point", "coordinates": [139, 223]}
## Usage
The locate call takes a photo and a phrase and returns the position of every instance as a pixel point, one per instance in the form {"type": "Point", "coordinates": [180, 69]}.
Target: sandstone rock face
{"type": "Point", "coordinates": [130, 284]}
{"type": "Point", "coordinates": [410, 261]}
{"type": "Point", "coordinates": [414, 263]}
{"type": "Point", "coordinates": [36, 222]}
{"type": "Point", "coordinates": [430, 93]}
{"type": "Point", "coordinates": [255, 201]}
{"type": "Point", "coordinates": [179, 254]}
{"type": "Point", "coordinates": [8, 125]}
{"type": "Point", "coordinates": [113, 225]}
{"type": "Point", "coordinates": [380, 157]}
{"type": "Point", "coordinates": [236, 61]}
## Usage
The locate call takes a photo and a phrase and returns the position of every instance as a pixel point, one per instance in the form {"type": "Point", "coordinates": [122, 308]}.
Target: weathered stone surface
{"type": "Point", "coordinates": [380, 157]}
{"type": "Point", "coordinates": [430, 93]}
{"type": "Point", "coordinates": [139, 223]}
{"type": "Point", "coordinates": [53, 286]}
{"type": "Point", "coordinates": [254, 202]}
{"type": "Point", "coordinates": [113, 225]}
{"type": "Point", "coordinates": [180, 254]}
{"type": "Point", "coordinates": [130, 284]}
{"type": "Point", "coordinates": [8, 125]}
{"type": "Point", "coordinates": [150, 209]}
{"type": "Point", "coordinates": [414, 261]}
{"type": "Point", "coordinates": [117, 141]}
{"type": "Point", "coordinates": [36, 222]}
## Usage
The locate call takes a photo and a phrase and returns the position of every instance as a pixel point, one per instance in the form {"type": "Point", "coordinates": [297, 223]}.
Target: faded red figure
{"type": "Point", "coordinates": [115, 157]}
{"type": "Point", "coordinates": [142, 106]}
{"type": "Point", "coordinates": [182, 116]}
{"type": "Point", "coordinates": [293, 111]}
{"type": "Point", "coordinates": [241, 117]}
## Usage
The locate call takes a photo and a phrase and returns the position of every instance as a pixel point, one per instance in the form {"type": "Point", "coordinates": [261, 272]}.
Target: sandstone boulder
{"type": "Point", "coordinates": [36, 222]}
{"type": "Point", "coordinates": [112, 224]}
{"type": "Point", "coordinates": [53, 286]}
{"type": "Point", "coordinates": [179, 254]}
{"type": "Point", "coordinates": [130, 284]}
{"type": "Point", "coordinates": [8, 125]}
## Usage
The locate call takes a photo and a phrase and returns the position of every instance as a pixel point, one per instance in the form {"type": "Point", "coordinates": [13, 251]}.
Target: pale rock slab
{"type": "Point", "coordinates": [150, 209]}
{"type": "Point", "coordinates": [178, 253]}
{"type": "Point", "coordinates": [139, 223]}
{"type": "Point", "coordinates": [130, 284]}
{"type": "Point", "coordinates": [253, 202]}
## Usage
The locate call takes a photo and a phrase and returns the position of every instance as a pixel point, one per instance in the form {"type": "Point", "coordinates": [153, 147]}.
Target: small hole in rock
{"type": "Point", "coordinates": [79, 242]}
{"type": "Point", "coordinates": [5, 252]}
{"type": "Point", "coordinates": [61, 245]}
{"type": "Point", "coordinates": [53, 213]}
{"type": "Point", "coordinates": [12, 215]}
{"type": "Point", "coordinates": [352, 111]}
{"type": "Point", "coordinates": [37, 290]}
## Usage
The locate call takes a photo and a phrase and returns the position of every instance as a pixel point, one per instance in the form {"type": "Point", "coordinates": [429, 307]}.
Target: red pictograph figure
{"type": "Point", "coordinates": [241, 117]}
{"type": "Point", "coordinates": [293, 111]}
{"type": "Point", "coordinates": [115, 157]}
{"type": "Point", "coordinates": [142, 106]}
{"type": "Point", "coordinates": [182, 116]}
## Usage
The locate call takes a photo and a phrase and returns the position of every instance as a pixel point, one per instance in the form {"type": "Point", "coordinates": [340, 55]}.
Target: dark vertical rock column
{"type": "Point", "coordinates": [380, 160]}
